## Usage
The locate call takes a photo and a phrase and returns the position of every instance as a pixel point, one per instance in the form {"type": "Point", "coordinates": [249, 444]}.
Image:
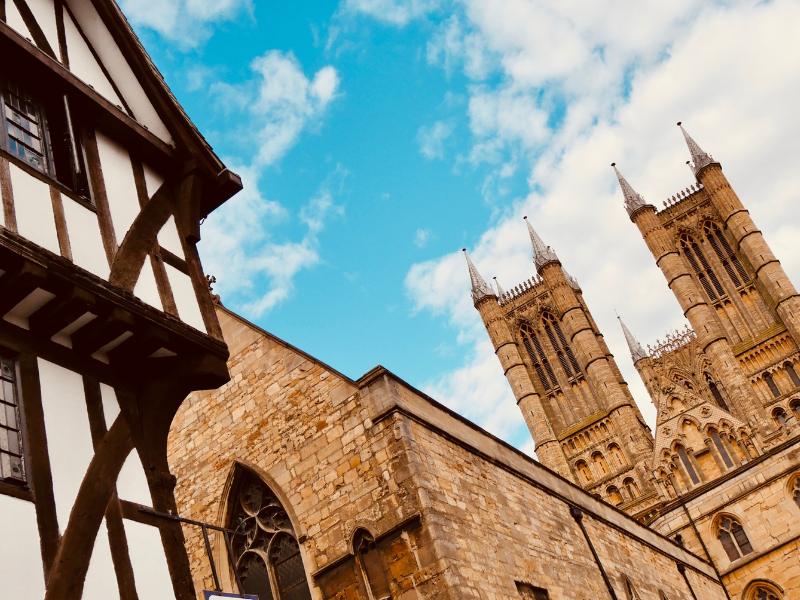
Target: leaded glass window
{"type": "Point", "coordinates": [12, 462]}
{"type": "Point", "coordinates": [25, 128]}
{"type": "Point", "coordinates": [733, 538]}
{"type": "Point", "coordinates": [266, 555]}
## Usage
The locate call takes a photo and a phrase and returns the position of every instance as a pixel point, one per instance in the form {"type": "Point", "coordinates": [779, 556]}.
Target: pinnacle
{"type": "Point", "coordinates": [637, 351]}
{"type": "Point", "coordinates": [480, 289]}
{"type": "Point", "coordinates": [633, 199]}
{"type": "Point", "coordinates": [542, 253]}
{"type": "Point", "coordinates": [700, 157]}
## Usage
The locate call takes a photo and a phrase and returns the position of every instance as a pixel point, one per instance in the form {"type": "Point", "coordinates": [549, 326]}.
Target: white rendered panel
{"type": "Point", "coordinates": [149, 563]}
{"type": "Point", "coordinates": [69, 440]}
{"type": "Point", "coordinates": [120, 184]}
{"type": "Point", "coordinates": [185, 298]}
{"type": "Point", "coordinates": [85, 239]}
{"type": "Point", "coordinates": [146, 288]}
{"type": "Point", "coordinates": [114, 61]}
{"type": "Point", "coordinates": [152, 180]}
{"type": "Point", "coordinates": [27, 306]}
{"type": "Point", "coordinates": [14, 20]}
{"type": "Point", "coordinates": [21, 571]}
{"type": "Point", "coordinates": [83, 64]}
{"type": "Point", "coordinates": [132, 482]}
{"type": "Point", "coordinates": [34, 209]}
{"type": "Point", "coordinates": [169, 238]}
{"type": "Point", "coordinates": [101, 581]}
{"type": "Point", "coordinates": [45, 14]}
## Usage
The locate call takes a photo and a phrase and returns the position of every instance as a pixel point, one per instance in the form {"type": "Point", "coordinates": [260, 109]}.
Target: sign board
{"type": "Point", "coordinates": [208, 595]}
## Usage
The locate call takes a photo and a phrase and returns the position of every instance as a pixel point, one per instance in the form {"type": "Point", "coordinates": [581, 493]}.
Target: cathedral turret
{"type": "Point", "coordinates": [637, 351]}
{"type": "Point", "coordinates": [542, 253]}
{"type": "Point", "coordinates": [480, 289]}
{"type": "Point", "coordinates": [700, 158]}
{"type": "Point", "coordinates": [633, 199]}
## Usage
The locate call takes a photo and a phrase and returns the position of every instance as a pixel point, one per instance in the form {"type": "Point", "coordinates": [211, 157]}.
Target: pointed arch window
{"type": "Point", "coordinates": [538, 357]}
{"type": "Point", "coordinates": [790, 370]}
{"type": "Point", "coordinates": [687, 464]}
{"type": "Point", "coordinates": [584, 470]}
{"type": "Point", "coordinates": [600, 463]}
{"type": "Point", "coordinates": [795, 490]}
{"type": "Point", "coordinates": [371, 565]}
{"type": "Point", "coordinates": [566, 357]}
{"type": "Point", "coordinates": [705, 274]}
{"type": "Point", "coordinates": [733, 538]}
{"type": "Point", "coordinates": [631, 487]}
{"type": "Point", "coordinates": [780, 416]}
{"type": "Point", "coordinates": [762, 592]}
{"type": "Point", "coordinates": [773, 388]}
{"type": "Point", "coordinates": [613, 495]}
{"type": "Point", "coordinates": [730, 261]}
{"type": "Point", "coordinates": [723, 451]}
{"type": "Point", "coordinates": [265, 552]}
{"type": "Point", "coordinates": [716, 394]}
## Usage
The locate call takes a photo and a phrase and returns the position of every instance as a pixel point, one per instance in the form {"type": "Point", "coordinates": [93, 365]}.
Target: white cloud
{"type": "Point", "coordinates": [431, 139]}
{"type": "Point", "coordinates": [277, 104]}
{"type": "Point", "coordinates": [422, 237]}
{"type": "Point", "coordinates": [392, 12]}
{"type": "Point", "coordinates": [623, 77]}
{"type": "Point", "coordinates": [188, 23]}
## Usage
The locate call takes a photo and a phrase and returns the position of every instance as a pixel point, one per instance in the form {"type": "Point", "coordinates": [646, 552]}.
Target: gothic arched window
{"type": "Point", "coordinates": [371, 566]}
{"type": "Point", "coordinates": [730, 262]}
{"type": "Point", "coordinates": [789, 367]}
{"type": "Point", "coordinates": [584, 470]}
{"type": "Point", "coordinates": [723, 451]}
{"type": "Point", "coordinates": [705, 274]}
{"type": "Point", "coordinates": [687, 464]}
{"type": "Point", "coordinates": [763, 590]}
{"type": "Point", "coordinates": [795, 406]}
{"type": "Point", "coordinates": [538, 357]}
{"type": "Point", "coordinates": [794, 490]}
{"type": "Point", "coordinates": [556, 336]}
{"type": "Point", "coordinates": [264, 548]}
{"type": "Point", "coordinates": [618, 458]}
{"type": "Point", "coordinates": [780, 416]}
{"type": "Point", "coordinates": [733, 538]}
{"type": "Point", "coordinates": [771, 385]}
{"type": "Point", "coordinates": [614, 497]}
{"type": "Point", "coordinates": [716, 394]}
{"type": "Point", "coordinates": [631, 487]}
{"type": "Point", "coordinates": [600, 464]}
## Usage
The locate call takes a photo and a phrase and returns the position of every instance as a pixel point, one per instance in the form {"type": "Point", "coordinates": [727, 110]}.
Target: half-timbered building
{"type": "Point", "coordinates": [106, 319]}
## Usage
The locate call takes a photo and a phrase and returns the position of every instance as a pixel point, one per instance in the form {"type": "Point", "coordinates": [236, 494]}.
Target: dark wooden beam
{"type": "Point", "coordinates": [7, 194]}
{"type": "Point", "coordinates": [36, 31]}
{"type": "Point", "coordinates": [60, 312]}
{"type": "Point", "coordinates": [38, 459]}
{"type": "Point", "coordinates": [100, 331]}
{"type": "Point", "coordinates": [16, 287]}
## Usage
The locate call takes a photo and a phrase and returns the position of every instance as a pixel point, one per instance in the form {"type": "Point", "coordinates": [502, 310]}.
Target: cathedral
{"type": "Point", "coordinates": [154, 444]}
{"type": "Point", "coordinates": [721, 474]}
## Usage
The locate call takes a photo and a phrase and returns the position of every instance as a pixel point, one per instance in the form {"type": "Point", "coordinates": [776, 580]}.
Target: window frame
{"type": "Point", "coordinates": [733, 538]}
{"type": "Point", "coordinates": [22, 482]}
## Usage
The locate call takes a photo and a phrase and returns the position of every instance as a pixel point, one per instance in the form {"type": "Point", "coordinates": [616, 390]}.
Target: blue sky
{"type": "Point", "coordinates": [378, 137]}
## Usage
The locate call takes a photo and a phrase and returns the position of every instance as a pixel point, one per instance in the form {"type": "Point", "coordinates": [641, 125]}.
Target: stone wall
{"type": "Point", "coordinates": [758, 496]}
{"type": "Point", "coordinates": [455, 513]}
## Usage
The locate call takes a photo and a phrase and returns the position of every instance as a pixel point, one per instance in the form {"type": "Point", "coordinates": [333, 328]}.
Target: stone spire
{"type": "Point", "coordinates": [637, 352]}
{"type": "Point", "coordinates": [633, 199]}
{"type": "Point", "coordinates": [700, 158]}
{"type": "Point", "coordinates": [542, 253]}
{"type": "Point", "coordinates": [480, 289]}
{"type": "Point", "coordinates": [572, 281]}
{"type": "Point", "coordinates": [500, 290]}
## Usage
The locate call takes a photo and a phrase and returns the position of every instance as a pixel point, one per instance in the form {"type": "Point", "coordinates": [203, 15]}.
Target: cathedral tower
{"type": "Point", "coordinates": [582, 417]}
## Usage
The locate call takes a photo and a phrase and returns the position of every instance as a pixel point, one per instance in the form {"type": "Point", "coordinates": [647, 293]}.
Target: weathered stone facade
{"type": "Point", "coordinates": [450, 511]}
{"type": "Point", "coordinates": [722, 465]}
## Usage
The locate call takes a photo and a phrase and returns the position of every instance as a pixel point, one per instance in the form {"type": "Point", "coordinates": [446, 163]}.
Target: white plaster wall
{"type": "Point", "coordinates": [120, 185]}
{"type": "Point", "coordinates": [21, 574]}
{"type": "Point", "coordinates": [34, 209]}
{"type": "Point", "coordinates": [146, 288]}
{"type": "Point", "coordinates": [45, 14]}
{"type": "Point", "coordinates": [69, 440]}
{"type": "Point", "coordinates": [14, 20]}
{"type": "Point", "coordinates": [132, 482]}
{"type": "Point", "coordinates": [185, 298]}
{"type": "Point", "coordinates": [83, 64]}
{"type": "Point", "coordinates": [85, 239]}
{"type": "Point", "coordinates": [169, 238]}
{"type": "Point", "coordinates": [149, 563]}
{"type": "Point", "coordinates": [101, 581]}
{"type": "Point", "coordinates": [115, 63]}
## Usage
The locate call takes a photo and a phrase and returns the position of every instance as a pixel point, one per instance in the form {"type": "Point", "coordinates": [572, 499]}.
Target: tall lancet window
{"type": "Point", "coordinates": [566, 357]}
{"type": "Point", "coordinates": [538, 357]}
{"type": "Point", "coordinates": [265, 553]}
{"type": "Point", "coordinates": [730, 262]}
{"type": "Point", "coordinates": [705, 274]}
{"type": "Point", "coordinates": [715, 393]}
